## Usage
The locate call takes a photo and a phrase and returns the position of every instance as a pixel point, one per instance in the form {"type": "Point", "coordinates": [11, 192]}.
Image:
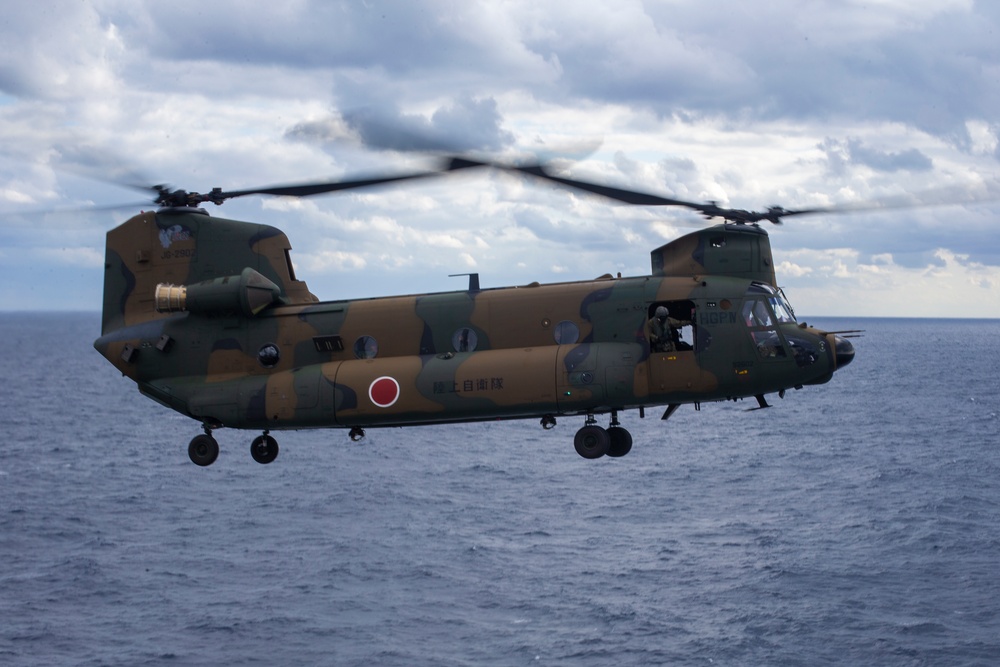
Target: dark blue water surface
{"type": "Point", "coordinates": [854, 523]}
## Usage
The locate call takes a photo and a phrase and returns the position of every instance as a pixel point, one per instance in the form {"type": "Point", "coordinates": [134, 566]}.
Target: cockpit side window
{"type": "Point", "coordinates": [762, 330]}
{"type": "Point", "coordinates": [768, 344]}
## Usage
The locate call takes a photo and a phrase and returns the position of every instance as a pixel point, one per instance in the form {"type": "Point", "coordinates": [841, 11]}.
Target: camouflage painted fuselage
{"type": "Point", "coordinates": [206, 316]}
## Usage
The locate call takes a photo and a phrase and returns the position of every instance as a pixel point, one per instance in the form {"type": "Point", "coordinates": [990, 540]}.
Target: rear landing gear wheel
{"type": "Point", "coordinates": [264, 448]}
{"type": "Point", "coordinates": [203, 450]}
{"type": "Point", "coordinates": [591, 442]}
{"type": "Point", "coordinates": [621, 441]}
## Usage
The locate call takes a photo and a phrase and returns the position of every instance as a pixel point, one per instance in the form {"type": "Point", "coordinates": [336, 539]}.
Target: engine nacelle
{"type": "Point", "coordinates": [248, 293]}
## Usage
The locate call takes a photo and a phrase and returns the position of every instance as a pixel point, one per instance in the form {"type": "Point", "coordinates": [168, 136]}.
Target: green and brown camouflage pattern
{"type": "Point", "coordinates": [251, 347]}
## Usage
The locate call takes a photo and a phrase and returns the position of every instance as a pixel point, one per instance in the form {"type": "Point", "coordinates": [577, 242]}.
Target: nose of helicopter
{"type": "Point", "coordinates": [843, 350]}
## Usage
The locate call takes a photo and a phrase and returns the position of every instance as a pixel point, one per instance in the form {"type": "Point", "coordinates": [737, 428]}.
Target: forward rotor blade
{"type": "Point", "coordinates": [637, 198]}
{"type": "Point", "coordinates": [627, 196]}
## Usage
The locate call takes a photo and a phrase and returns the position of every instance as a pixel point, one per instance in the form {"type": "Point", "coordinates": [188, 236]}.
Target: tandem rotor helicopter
{"type": "Point", "coordinates": [207, 316]}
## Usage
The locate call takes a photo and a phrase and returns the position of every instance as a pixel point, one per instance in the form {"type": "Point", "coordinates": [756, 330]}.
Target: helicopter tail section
{"type": "Point", "coordinates": [183, 259]}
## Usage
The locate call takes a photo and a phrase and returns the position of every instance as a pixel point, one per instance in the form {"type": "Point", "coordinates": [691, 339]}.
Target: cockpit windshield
{"type": "Point", "coordinates": [783, 313]}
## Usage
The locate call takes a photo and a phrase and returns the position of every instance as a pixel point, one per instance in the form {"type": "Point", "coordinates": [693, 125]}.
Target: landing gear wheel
{"type": "Point", "coordinates": [591, 442]}
{"type": "Point", "coordinates": [203, 450]}
{"type": "Point", "coordinates": [621, 441]}
{"type": "Point", "coordinates": [264, 449]}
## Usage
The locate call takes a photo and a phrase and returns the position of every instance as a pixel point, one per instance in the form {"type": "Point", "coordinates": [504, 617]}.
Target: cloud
{"type": "Point", "coordinates": [982, 137]}
{"type": "Point", "coordinates": [793, 270]}
{"type": "Point", "coordinates": [326, 260]}
{"type": "Point", "coordinates": [841, 155]}
{"type": "Point", "coordinates": [799, 105]}
{"type": "Point", "coordinates": [63, 51]}
{"type": "Point", "coordinates": [462, 126]}
{"type": "Point", "coordinates": [947, 284]}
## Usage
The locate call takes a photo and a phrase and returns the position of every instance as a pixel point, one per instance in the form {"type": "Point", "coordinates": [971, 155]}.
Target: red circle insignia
{"type": "Point", "coordinates": [384, 391]}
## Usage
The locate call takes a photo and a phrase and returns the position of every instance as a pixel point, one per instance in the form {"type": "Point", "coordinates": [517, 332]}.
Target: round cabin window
{"type": "Point", "coordinates": [269, 355]}
{"type": "Point", "coordinates": [464, 340]}
{"type": "Point", "coordinates": [365, 347]}
{"type": "Point", "coordinates": [566, 333]}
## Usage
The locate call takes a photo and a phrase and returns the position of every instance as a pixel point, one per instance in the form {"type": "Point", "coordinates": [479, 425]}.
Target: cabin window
{"type": "Point", "coordinates": [365, 347]}
{"type": "Point", "coordinates": [269, 355]}
{"type": "Point", "coordinates": [464, 340]}
{"type": "Point", "coordinates": [566, 333]}
{"type": "Point", "coordinates": [671, 327]}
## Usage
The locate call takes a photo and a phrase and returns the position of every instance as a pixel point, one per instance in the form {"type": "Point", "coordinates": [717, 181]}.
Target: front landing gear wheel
{"type": "Point", "coordinates": [621, 441]}
{"type": "Point", "coordinates": [203, 450]}
{"type": "Point", "coordinates": [591, 442]}
{"type": "Point", "coordinates": [264, 448]}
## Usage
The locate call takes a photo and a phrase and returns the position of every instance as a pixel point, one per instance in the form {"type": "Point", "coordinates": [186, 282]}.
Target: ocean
{"type": "Point", "coordinates": [853, 523]}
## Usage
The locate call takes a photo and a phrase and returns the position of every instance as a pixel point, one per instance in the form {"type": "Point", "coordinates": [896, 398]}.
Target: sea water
{"type": "Point", "coordinates": [856, 522]}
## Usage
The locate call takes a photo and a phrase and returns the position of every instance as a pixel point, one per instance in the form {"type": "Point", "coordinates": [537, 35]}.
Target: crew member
{"type": "Point", "coordinates": [665, 332]}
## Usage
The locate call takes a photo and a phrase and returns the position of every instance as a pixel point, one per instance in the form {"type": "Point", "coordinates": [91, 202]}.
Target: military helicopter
{"type": "Point", "coordinates": [207, 316]}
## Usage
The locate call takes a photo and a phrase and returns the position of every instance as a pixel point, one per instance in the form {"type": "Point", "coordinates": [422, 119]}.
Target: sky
{"type": "Point", "coordinates": [797, 103]}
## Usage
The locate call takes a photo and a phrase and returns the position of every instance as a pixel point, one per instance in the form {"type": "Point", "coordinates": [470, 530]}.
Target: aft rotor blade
{"type": "Point", "coordinates": [76, 210]}
{"type": "Point", "coordinates": [312, 189]}
{"type": "Point", "coordinates": [774, 214]}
